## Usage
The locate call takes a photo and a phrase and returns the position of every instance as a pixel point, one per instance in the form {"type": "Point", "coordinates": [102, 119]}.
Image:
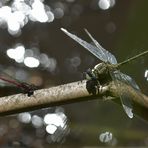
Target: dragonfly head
{"type": "Point", "coordinates": [89, 75]}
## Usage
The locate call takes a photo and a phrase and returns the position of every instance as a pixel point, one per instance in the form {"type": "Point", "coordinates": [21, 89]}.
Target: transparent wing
{"type": "Point", "coordinates": [126, 79]}
{"type": "Point", "coordinates": [4, 84]}
{"type": "Point", "coordinates": [125, 100]}
{"type": "Point", "coordinates": [98, 52]}
{"type": "Point", "coordinates": [107, 55]}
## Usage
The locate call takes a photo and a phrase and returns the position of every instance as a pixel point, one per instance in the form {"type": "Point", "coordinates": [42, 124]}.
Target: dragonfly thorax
{"type": "Point", "coordinates": [101, 72]}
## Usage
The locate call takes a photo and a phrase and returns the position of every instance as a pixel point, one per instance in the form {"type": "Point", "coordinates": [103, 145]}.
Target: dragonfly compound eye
{"type": "Point", "coordinates": [100, 70]}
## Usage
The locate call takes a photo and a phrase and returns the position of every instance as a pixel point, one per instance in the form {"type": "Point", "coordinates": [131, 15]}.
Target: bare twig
{"type": "Point", "coordinates": [68, 93]}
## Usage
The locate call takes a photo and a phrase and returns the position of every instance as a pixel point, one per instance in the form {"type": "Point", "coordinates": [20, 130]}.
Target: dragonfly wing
{"type": "Point", "coordinates": [125, 100]}
{"type": "Point", "coordinates": [106, 54]}
{"type": "Point", "coordinates": [126, 79]}
{"type": "Point", "coordinates": [93, 49]}
{"type": "Point", "coordinates": [126, 104]}
{"type": "Point", "coordinates": [4, 84]}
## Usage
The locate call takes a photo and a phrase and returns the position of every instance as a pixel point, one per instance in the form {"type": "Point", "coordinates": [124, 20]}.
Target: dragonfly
{"type": "Point", "coordinates": [108, 67]}
{"type": "Point", "coordinates": [23, 86]}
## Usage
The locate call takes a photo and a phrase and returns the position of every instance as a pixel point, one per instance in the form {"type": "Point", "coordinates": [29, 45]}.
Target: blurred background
{"type": "Point", "coordinates": [34, 49]}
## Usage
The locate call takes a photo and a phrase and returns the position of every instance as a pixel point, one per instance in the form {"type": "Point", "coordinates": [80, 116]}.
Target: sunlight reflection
{"type": "Point", "coordinates": [106, 4]}
{"type": "Point", "coordinates": [51, 128]}
{"type": "Point", "coordinates": [56, 125]}
{"type": "Point", "coordinates": [31, 62]}
{"type": "Point", "coordinates": [31, 58]}
{"type": "Point", "coordinates": [37, 121]}
{"type": "Point", "coordinates": [24, 117]}
{"type": "Point", "coordinates": [19, 12]}
{"type": "Point", "coordinates": [16, 53]}
{"type": "Point", "coordinates": [53, 125]}
{"type": "Point", "coordinates": [60, 5]}
{"type": "Point", "coordinates": [13, 25]}
{"type": "Point", "coordinates": [75, 61]}
{"type": "Point", "coordinates": [108, 138]}
{"type": "Point", "coordinates": [50, 16]}
{"type": "Point", "coordinates": [38, 12]}
{"type": "Point", "coordinates": [105, 137]}
{"type": "Point", "coordinates": [146, 74]}
{"type": "Point", "coordinates": [59, 13]}
{"type": "Point", "coordinates": [72, 63]}
{"type": "Point", "coordinates": [48, 63]}
{"type": "Point", "coordinates": [55, 119]}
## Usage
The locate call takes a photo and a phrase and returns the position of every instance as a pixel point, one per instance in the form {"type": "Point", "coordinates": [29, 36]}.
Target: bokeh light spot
{"type": "Point", "coordinates": [51, 129]}
{"type": "Point", "coordinates": [31, 62]}
{"type": "Point", "coordinates": [24, 117]}
{"type": "Point", "coordinates": [54, 119]}
{"type": "Point", "coordinates": [16, 53]}
{"type": "Point", "coordinates": [146, 74]}
{"type": "Point", "coordinates": [105, 137]}
{"type": "Point", "coordinates": [37, 121]}
{"type": "Point", "coordinates": [106, 4]}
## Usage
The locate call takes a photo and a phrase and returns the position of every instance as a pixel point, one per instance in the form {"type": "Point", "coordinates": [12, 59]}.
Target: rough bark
{"type": "Point", "coordinates": [63, 94]}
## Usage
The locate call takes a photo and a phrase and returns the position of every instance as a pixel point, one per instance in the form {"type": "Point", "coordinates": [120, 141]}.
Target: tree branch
{"type": "Point", "coordinates": [63, 94]}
